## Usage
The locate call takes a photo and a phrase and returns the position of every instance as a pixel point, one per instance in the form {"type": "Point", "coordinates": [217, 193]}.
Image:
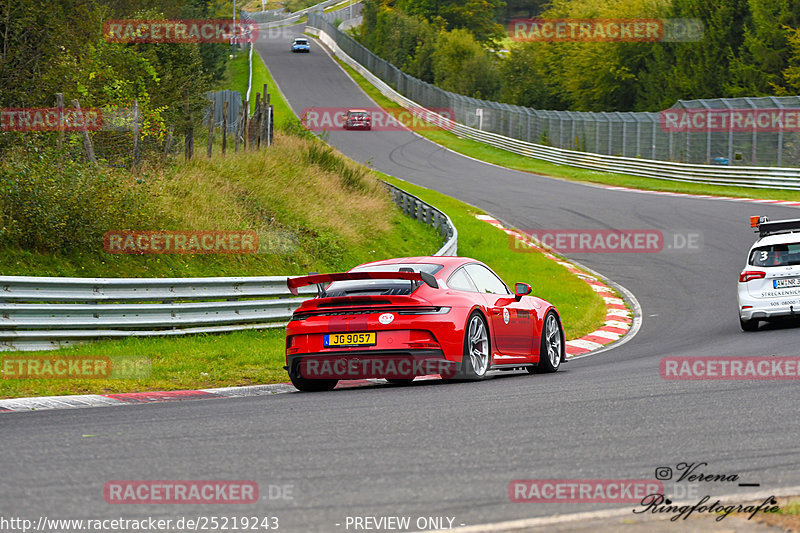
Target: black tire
{"type": "Point", "coordinates": [399, 381]}
{"type": "Point", "coordinates": [748, 325]}
{"type": "Point", "coordinates": [311, 385]}
{"type": "Point", "coordinates": [551, 351]}
{"type": "Point", "coordinates": [477, 348]}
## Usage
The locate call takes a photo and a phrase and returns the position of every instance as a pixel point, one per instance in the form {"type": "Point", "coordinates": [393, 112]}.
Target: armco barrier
{"type": "Point", "coordinates": [39, 313]}
{"type": "Point", "coordinates": [279, 17]}
{"type": "Point", "coordinates": [760, 177]}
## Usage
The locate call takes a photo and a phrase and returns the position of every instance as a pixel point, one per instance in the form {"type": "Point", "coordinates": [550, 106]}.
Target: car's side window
{"type": "Point", "coordinates": [486, 280]}
{"type": "Point", "coordinates": [459, 281]}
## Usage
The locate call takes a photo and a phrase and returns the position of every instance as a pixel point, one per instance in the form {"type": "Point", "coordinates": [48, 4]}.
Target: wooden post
{"type": "Point", "coordinates": [262, 123]}
{"type": "Point", "coordinates": [168, 143]}
{"type": "Point", "coordinates": [189, 138]}
{"type": "Point", "coordinates": [246, 123]}
{"type": "Point", "coordinates": [135, 131]}
{"type": "Point", "coordinates": [211, 126]}
{"type": "Point", "coordinates": [257, 123]}
{"type": "Point", "coordinates": [239, 128]}
{"type": "Point", "coordinates": [224, 126]}
{"type": "Point", "coordinates": [87, 141]}
{"type": "Point", "coordinates": [60, 106]}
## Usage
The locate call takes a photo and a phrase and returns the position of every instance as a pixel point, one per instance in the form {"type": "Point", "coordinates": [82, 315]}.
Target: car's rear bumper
{"type": "Point", "coordinates": [767, 308]}
{"type": "Point", "coordinates": [367, 364]}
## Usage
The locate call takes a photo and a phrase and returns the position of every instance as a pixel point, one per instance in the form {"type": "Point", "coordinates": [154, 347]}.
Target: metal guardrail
{"type": "Point", "coordinates": [427, 214]}
{"type": "Point", "coordinates": [755, 177]}
{"type": "Point", "coordinates": [40, 313]}
{"type": "Point", "coordinates": [279, 17]}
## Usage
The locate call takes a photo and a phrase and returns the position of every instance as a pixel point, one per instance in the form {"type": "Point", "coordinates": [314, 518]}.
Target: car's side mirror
{"type": "Point", "coordinates": [521, 289]}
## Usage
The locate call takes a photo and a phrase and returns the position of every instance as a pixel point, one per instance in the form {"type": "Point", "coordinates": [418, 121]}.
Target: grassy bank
{"type": "Point", "coordinates": [236, 79]}
{"type": "Point", "coordinates": [311, 209]}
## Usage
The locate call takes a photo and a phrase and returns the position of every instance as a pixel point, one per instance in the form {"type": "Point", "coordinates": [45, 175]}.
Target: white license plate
{"type": "Point", "coordinates": [785, 283]}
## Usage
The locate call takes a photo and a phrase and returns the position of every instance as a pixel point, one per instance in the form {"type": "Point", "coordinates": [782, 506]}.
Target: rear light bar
{"type": "Point", "coordinates": [766, 227]}
{"type": "Point", "coordinates": [748, 275]}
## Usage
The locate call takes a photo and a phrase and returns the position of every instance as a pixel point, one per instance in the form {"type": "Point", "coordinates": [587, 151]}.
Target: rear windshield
{"type": "Point", "coordinates": [776, 255]}
{"type": "Point", "coordinates": [380, 286]}
{"type": "Point", "coordinates": [300, 41]}
{"type": "Point", "coordinates": [357, 114]}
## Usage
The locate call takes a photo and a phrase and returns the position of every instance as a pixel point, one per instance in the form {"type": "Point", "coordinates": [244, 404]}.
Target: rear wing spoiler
{"type": "Point", "coordinates": [323, 279]}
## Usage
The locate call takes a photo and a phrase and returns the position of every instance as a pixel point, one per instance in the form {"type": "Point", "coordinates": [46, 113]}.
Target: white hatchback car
{"type": "Point", "coordinates": [769, 285]}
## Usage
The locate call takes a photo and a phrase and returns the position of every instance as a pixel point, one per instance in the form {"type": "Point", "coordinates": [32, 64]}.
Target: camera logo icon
{"type": "Point", "coordinates": [663, 473]}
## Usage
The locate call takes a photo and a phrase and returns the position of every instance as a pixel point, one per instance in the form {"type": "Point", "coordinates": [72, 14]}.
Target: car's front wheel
{"type": "Point", "coordinates": [477, 350]}
{"type": "Point", "coordinates": [551, 352]}
{"type": "Point", "coordinates": [748, 325]}
{"type": "Point", "coordinates": [310, 385]}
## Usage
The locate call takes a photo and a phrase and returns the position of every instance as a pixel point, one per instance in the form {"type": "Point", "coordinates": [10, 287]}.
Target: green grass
{"type": "Point", "coordinates": [340, 5]}
{"type": "Point", "coordinates": [175, 363]}
{"type": "Point", "coordinates": [236, 80]}
{"type": "Point", "coordinates": [791, 508]}
{"type": "Point", "coordinates": [488, 153]}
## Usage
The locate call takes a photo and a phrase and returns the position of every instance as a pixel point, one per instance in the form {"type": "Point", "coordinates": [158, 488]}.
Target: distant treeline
{"type": "Point", "coordinates": [58, 47]}
{"type": "Point", "coordinates": [747, 48]}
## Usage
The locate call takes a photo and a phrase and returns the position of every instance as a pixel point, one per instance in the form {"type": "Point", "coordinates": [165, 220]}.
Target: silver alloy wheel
{"type": "Point", "coordinates": [553, 339]}
{"type": "Point", "coordinates": [478, 346]}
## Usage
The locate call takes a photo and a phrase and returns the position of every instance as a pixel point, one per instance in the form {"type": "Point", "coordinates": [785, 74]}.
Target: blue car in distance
{"type": "Point", "coordinates": [300, 45]}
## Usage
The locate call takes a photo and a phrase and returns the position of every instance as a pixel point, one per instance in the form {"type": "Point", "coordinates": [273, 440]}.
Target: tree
{"type": "Point", "coordinates": [757, 69]}
{"type": "Point", "coordinates": [463, 66]}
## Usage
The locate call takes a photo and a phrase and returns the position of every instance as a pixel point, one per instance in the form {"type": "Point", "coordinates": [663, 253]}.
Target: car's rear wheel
{"type": "Point", "coordinates": [748, 325]}
{"type": "Point", "coordinates": [475, 362]}
{"type": "Point", "coordinates": [310, 385]}
{"type": "Point", "coordinates": [551, 352]}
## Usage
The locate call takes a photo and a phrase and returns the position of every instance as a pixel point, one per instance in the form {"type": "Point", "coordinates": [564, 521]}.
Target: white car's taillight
{"type": "Point", "coordinates": [748, 275]}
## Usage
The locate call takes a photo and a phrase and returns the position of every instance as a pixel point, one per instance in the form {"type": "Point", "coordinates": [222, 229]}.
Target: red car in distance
{"type": "Point", "coordinates": [401, 318]}
{"type": "Point", "coordinates": [357, 119]}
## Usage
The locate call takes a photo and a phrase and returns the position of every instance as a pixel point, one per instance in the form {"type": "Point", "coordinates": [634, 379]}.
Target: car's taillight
{"type": "Point", "coordinates": [748, 275]}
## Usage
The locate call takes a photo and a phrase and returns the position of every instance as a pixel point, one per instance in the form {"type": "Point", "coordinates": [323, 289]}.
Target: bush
{"type": "Point", "coordinates": [50, 207]}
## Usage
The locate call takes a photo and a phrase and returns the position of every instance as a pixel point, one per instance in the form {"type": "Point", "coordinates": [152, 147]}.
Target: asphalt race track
{"type": "Point", "coordinates": [451, 450]}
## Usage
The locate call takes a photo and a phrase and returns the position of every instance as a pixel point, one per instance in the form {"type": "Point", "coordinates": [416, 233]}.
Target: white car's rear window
{"type": "Point", "coordinates": [784, 254]}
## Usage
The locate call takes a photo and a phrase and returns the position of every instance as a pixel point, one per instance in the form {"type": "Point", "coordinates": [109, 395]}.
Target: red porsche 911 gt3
{"type": "Point", "coordinates": [401, 318]}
